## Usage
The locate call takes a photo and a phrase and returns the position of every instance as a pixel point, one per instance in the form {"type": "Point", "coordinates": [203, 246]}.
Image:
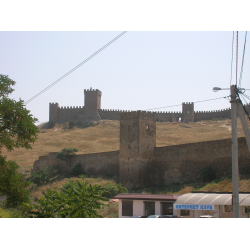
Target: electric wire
{"type": "Point", "coordinates": [242, 60]}
{"type": "Point", "coordinates": [193, 102]}
{"type": "Point", "coordinates": [79, 65]}
{"type": "Point", "coordinates": [232, 59]}
{"type": "Point", "coordinates": [236, 56]}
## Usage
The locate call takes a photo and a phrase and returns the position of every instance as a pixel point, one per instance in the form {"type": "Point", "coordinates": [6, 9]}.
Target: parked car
{"type": "Point", "coordinates": [169, 216]}
{"type": "Point", "coordinates": [207, 216]}
{"type": "Point", "coordinates": [154, 216]}
{"type": "Point", "coordinates": [139, 216]}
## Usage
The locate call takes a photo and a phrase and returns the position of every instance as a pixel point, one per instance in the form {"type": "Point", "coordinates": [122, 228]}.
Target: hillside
{"type": "Point", "coordinates": [105, 137]}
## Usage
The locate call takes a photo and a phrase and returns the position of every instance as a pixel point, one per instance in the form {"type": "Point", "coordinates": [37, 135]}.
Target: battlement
{"type": "Point", "coordinates": [52, 103]}
{"type": "Point", "coordinates": [187, 103]}
{"type": "Point", "coordinates": [212, 111]}
{"type": "Point", "coordinates": [139, 114]}
{"type": "Point", "coordinates": [74, 107]}
{"type": "Point", "coordinates": [92, 90]}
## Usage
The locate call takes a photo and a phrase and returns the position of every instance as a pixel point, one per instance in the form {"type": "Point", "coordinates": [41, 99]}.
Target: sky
{"type": "Point", "coordinates": [142, 70]}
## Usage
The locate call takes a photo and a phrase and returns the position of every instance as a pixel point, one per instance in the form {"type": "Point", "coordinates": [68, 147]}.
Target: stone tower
{"type": "Point", "coordinates": [53, 111]}
{"type": "Point", "coordinates": [188, 112]}
{"type": "Point", "coordinates": [137, 143]}
{"type": "Point", "coordinates": [92, 102]}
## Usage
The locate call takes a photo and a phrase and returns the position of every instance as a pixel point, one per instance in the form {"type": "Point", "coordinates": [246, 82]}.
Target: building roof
{"type": "Point", "coordinates": [213, 199]}
{"type": "Point", "coordinates": [135, 196]}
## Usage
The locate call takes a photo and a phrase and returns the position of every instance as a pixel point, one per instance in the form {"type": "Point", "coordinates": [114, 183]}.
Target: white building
{"type": "Point", "coordinates": [217, 204]}
{"type": "Point", "coordinates": [146, 204]}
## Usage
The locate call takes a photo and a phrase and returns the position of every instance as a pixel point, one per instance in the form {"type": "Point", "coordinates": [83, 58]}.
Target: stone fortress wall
{"type": "Point", "coordinates": [139, 163]}
{"type": "Point", "coordinates": [91, 111]}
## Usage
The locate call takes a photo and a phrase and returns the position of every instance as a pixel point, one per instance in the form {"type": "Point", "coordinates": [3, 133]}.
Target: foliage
{"type": "Point", "coordinates": [17, 128]}
{"type": "Point", "coordinates": [12, 184]}
{"type": "Point", "coordinates": [72, 124]}
{"type": "Point", "coordinates": [80, 124]}
{"type": "Point", "coordinates": [51, 124]}
{"type": "Point", "coordinates": [113, 189]}
{"type": "Point", "coordinates": [43, 176]}
{"type": "Point", "coordinates": [208, 174]}
{"type": "Point", "coordinates": [65, 154]}
{"type": "Point", "coordinates": [76, 170]}
{"type": "Point", "coordinates": [10, 213]}
{"type": "Point", "coordinates": [76, 199]}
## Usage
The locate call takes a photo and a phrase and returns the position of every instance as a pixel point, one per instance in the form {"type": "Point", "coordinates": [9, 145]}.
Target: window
{"type": "Point", "coordinates": [246, 210]}
{"type": "Point", "coordinates": [127, 208]}
{"type": "Point", "coordinates": [185, 212]}
{"type": "Point", "coordinates": [149, 208]}
{"type": "Point", "coordinates": [167, 208]}
{"type": "Point", "coordinates": [228, 208]}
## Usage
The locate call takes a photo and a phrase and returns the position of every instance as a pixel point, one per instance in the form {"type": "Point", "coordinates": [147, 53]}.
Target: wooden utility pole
{"type": "Point", "coordinates": [235, 167]}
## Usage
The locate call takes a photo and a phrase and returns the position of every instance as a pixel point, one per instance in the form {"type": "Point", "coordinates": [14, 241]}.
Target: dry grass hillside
{"type": "Point", "coordinates": [105, 137]}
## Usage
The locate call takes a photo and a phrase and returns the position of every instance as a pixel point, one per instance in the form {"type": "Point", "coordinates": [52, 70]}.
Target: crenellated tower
{"type": "Point", "coordinates": [53, 111]}
{"type": "Point", "coordinates": [92, 103]}
{"type": "Point", "coordinates": [188, 112]}
{"type": "Point", "coordinates": [137, 143]}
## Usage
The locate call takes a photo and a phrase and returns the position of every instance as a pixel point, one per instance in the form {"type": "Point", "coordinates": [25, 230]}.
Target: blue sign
{"type": "Point", "coordinates": [193, 207]}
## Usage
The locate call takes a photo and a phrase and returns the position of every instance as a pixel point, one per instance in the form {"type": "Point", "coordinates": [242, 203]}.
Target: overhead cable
{"type": "Point", "coordinates": [242, 60]}
{"type": "Point", "coordinates": [79, 65]}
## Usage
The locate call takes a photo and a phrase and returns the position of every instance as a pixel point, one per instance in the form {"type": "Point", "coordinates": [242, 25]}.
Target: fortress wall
{"type": "Point", "coordinates": [71, 113]}
{"type": "Point", "coordinates": [111, 114]}
{"type": "Point", "coordinates": [184, 163]}
{"type": "Point", "coordinates": [208, 115]}
{"type": "Point", "coordinates": [165, 116]}
{"type": "Point", "coordinates": [106, 163]}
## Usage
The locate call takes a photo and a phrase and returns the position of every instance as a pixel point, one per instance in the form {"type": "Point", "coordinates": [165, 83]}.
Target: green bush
{"type": "Point", "coordinates": [208, 174]}
{"type": "Point", "coordinates": [110, 190]}
{"type": "Point", "coordinates": [13, 184]}
{"type": "Point", "coordinates": [76, 199]}
{"type": "Point", "coordinates": [79, 124]}
{"type": "Point", "coordinates": [43, 176]}
{"type": "Point", "coordinates": [72, 124]}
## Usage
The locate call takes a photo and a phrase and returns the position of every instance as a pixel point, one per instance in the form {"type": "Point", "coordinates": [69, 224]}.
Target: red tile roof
{"type": "Point", "coordinates": [135, 196]}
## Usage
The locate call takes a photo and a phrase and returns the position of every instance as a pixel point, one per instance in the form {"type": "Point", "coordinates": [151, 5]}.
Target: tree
{"type": "Point", "coordinates": [65, 154]}
{"type": "Point", "coordinates": [76, 199]}
{"type": "Point", "coordinates": [17, 129]}
{"type": "Point", "coordinates": [12, 184]}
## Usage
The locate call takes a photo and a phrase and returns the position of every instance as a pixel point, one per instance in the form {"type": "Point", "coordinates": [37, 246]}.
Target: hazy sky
{"type": "Point", "coordinates": [140, 71]}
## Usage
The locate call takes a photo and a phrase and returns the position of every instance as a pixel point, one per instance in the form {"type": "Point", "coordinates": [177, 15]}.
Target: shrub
{"type": "Point", "coordinates": [110, 190]}
{"type": "Point", "coordinates": [208, 174]}
{"type": "Point", "coordinates": [13, 184]}
{"type": "Point", "coordinates": [43, 176]}
{"type": "Point", "coordinates": [72, 124]}
{"type": "Point", "coordinates": [76, 199]}
{"type": "Point", "coordinates": [79, 124]}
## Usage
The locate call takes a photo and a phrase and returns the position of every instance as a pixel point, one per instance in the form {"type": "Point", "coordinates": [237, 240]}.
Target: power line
{"type": "Point", "coordinates": [193, 102]}
{"type": "Point", "coordinates": [232, 59]}
{"type": "Point", "coordinates": [236, 56]}
{"type": "Point", "coordinates": [79, 65]}
{"type": "Point", "coordinates": [243, 60]}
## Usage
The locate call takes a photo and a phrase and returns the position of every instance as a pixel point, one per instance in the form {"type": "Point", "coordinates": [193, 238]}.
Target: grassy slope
{"type": "Point", "coordinates": [105, 137]}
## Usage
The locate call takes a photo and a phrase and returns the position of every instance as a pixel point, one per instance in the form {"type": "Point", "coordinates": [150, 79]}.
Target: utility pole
{"type": "Point", "coordinates": [244, 123]}
{"type": "Point", "coordinates": [235, 167]}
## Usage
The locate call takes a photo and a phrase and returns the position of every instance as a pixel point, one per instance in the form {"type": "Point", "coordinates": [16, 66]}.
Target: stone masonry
{"type": "Point", "coordinates": [91, 111]}
{"type": "Point", "coordinates": [139, 163]}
